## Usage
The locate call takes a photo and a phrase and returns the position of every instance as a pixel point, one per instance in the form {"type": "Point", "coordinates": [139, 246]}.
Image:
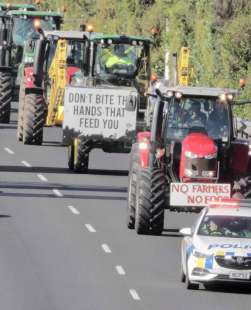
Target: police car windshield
{"type": "Point", "coordinates": [205, 114]}
{"type": "Point", "coordinates": [118, 59]}
{"type": "Point", "coordinates": [225, 226]}
{"type": "Point", "coordinates": [24, 29]}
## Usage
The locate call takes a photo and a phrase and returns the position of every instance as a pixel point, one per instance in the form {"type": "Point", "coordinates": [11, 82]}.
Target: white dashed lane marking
{"type": "Point", "coordinates": [120, 270]}
{"type": "Point", "coordinates": [9, 151]}
{"type": "Point", "coordinates": [73, 210]}
{"type": "Point", "coordinates": [90, 228]}
{"type": "Point", "coordinates": [26, 164]}
{"type": "Point", "coordinates": [42, 178]}
{"type": "Point", "coordinates": [106, 248]}
{"type": "Point", "coordinates": [57, 193]}
{"type": "Point", "coordinates": [134, 294]}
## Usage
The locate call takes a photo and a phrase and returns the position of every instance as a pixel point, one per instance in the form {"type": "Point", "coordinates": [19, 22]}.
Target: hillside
{"type": "Point", "coordinates": [217, 31]}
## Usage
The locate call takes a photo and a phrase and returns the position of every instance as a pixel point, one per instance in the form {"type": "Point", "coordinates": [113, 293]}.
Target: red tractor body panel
{"type": "Point", "coordinates": [143, 140]}
{"type": "Point", "coordinates": [240, 158]}
{"type": "Point", "coordinates": [29, 79]}
{"type": "Point", "coordinates": [200, 147]}
{"type": "Point", "coordinates": [71, 70]}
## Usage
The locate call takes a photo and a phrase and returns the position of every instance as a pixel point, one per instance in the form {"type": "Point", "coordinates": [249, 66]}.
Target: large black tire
{"type": "Point", "coordinates": [150, 201]}
{"type": "Point", "coordinates": [33, 119]}
{"type": "Point", "coordinates": [131, 195]}
{"type": "Point", "coordinates": [78, 156]}
{"type": "Point", "coordinates": [20, 111]}
{"type": "Point", "coordinates": [5, 97]}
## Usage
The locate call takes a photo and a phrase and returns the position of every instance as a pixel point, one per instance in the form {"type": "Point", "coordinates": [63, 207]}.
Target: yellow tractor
{"type": "Point", "coordinates": [59, 55]}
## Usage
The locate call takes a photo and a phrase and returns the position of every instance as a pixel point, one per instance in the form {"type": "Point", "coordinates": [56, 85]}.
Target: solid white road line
{"type": "Point", "coordinates": [57, 192]}
{"type": "Point", "coordinates": [73, 210]}
{"type": "Point", "coordinates": [42, 178]}
{"type": "Point", "coordinates": [106, 248]}
{"type": "Point", "coordinates": [9, 150]}
{"type": "Point", "coordinates": [90, 228]}
{"type": "Point", "coordinates": [26, 164]}
{"type": "Point", "coordinates": [134, 294]}
{"type": "Point", "coordinates": [120, 270]}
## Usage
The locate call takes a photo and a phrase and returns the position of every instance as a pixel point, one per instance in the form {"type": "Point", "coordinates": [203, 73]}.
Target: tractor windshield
{"type": "Point", "coordinates": [200, 114]}
{"type": "Point", "coordinates": [23, 29]}
{"type": "Point", "coordinates": [118, 59]}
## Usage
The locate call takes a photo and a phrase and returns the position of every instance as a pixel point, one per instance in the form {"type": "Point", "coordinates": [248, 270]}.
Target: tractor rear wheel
{"type": "Point", "coordinates": [150, 201]}
{"type": "Point", "coordinates": [33, 119]}
{"type": "Point", "coordinates": [20, 112]}
{"type": "Point", "coordinates": [78, 155]}
{"type": "Point", "coordinates": [5, 97]}
{"type": "Point", "coordinates": [131, 200]}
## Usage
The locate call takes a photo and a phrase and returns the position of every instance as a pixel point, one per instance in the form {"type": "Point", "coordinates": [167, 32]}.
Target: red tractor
{"type": "Point", "coordinates": [190, 158]}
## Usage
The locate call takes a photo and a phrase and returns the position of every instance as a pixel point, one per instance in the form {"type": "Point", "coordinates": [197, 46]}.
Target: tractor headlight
{"type": "Point", "coordinates": [191, 173]}
{"type": "Point", "coordinates": [208, 174]}
{"type": "Point", "coordinates": [191, 155]}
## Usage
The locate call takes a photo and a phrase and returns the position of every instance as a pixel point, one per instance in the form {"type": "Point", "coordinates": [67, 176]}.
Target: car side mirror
{"type": "Point", "coordinates": [131, 104]}
{"type": "Point", "coordinates": [186, 231]}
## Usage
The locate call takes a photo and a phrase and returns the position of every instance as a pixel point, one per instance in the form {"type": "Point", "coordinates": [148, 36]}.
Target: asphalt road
{"type": "Point", "coordinates": [64, 243]}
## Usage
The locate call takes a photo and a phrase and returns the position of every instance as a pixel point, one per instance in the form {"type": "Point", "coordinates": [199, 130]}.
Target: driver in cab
{"type": "Point", "coordinates": [117, 56]}
{"type": "Point", "coordinates": [195, 115]}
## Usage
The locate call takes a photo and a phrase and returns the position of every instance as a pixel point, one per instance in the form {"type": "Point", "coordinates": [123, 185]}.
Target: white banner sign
{"type": "Point", "coordinates": [198, 194]}
{"type": "Point", "coordinates": [99, 111]}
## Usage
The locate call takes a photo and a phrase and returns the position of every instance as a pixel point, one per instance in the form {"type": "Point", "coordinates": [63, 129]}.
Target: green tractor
{"type": "Point", "coordinates": [16, 27]}
{"type": "Point", "coordinates": [105, 106]}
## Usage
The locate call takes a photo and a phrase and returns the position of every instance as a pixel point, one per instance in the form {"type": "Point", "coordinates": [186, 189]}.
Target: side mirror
{"type": "Point", "coordinates": [186, 231]}
{"type": "Point", "coordinates": [131, 104]}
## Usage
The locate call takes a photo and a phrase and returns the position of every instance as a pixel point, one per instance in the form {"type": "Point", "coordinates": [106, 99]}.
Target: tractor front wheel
{"type": "Point", "coordinates": [20, 112]}
{"type": "Point", "coordinates": [5, 97]}
{"type": "Point", "coordinates": [78, 155]}
{"type": "Point", "coordinates": [33, 119]}
{"type": "Point", "coordinates": [150, 201]}
{"type": "Point", "coordinates": [131, 196]}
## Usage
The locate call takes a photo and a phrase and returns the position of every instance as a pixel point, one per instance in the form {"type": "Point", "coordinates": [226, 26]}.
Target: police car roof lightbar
{"type": "Point", "coordinates": [231, 203]}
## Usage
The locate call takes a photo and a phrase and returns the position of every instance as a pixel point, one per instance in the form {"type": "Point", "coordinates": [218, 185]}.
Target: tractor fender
{"type": "Point", "coordinates": [143, 140]}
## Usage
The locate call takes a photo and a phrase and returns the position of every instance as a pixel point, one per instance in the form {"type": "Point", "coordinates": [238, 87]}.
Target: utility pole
{"type": "Point", "coordinates": [166, 72]}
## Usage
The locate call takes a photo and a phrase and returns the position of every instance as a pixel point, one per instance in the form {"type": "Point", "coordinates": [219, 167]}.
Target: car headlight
{"type": "Point", "coordinates": [191, 155]}
{"type": "Point", "coordinates": [199, 254]}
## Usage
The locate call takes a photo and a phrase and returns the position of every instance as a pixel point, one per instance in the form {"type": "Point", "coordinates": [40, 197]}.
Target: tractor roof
{"type": "Point", "coordinates": [201, 91]}
{"type": "Point", "coordinates": [34, 13]}
{"type": "Point", "coordinates": [67, 34]}
{"type": "Point", "coordinates": [119, 38]}
{"type": "Point", "coordinates": [7, 7]}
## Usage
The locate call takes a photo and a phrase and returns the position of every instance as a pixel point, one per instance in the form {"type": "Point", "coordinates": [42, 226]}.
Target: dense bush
{"type": "Point", "coordinates": [217, 31]}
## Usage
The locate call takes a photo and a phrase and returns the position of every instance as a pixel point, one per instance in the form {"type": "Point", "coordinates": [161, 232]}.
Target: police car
{"type": "Point", "coordinates": [218, 247]}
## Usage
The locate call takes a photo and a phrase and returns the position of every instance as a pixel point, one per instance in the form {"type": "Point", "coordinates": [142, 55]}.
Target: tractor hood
{"type": "Point", "coordinates": [200, 144]}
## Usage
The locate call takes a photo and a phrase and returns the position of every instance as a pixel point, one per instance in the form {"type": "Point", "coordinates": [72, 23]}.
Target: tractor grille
{"type": "Point", "coordinates": [235, 262]}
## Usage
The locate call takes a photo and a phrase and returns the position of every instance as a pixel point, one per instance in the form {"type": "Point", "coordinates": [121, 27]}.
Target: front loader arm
{"type": "Point", "coordinates": [58, 78]}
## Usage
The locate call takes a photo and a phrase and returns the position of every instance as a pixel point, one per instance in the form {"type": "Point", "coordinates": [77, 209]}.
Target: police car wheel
{"type": "Point", "coordinates": [182, 275]}
{"type": "Point", "coordinates": [189, 285]}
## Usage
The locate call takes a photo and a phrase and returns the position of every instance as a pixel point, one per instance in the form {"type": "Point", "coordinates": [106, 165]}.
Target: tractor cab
{"type": "Point", "coordinates": [197, 124]}
{"type": "Point", "coordinates": [24, 24]}
{"type": "Point", "coordinates": [10, 7]}
{"type": "Point", "coordinates": [121, 60]}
